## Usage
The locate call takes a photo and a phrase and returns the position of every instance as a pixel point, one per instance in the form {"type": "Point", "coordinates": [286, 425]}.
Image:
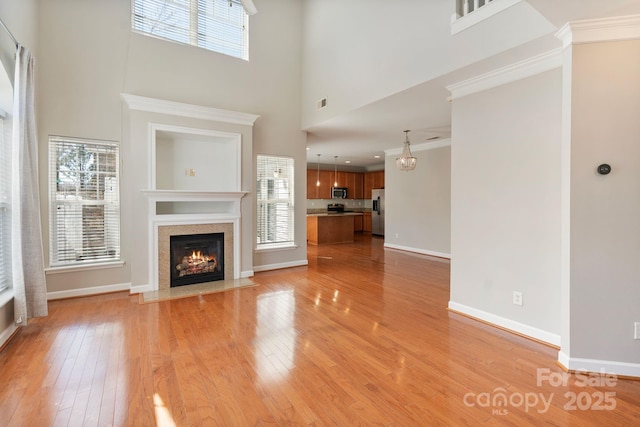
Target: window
{"type": "Point", "coordinates": [275, 201]}
{"type": "Point", "coordinates": [5, 200]}
{"type": "Point", "coordinates": [217, 25]}
{"type": "Point", "coordinates": [85, 202]}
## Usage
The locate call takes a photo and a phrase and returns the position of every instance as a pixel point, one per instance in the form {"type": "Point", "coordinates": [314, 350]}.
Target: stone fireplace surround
{"type": "Point", "coordinates": [166, 231]}
{"type": "Point", "coordinates": [162, 226]}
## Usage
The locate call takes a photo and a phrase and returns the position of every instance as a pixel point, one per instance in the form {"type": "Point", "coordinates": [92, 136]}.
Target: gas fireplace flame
{"type": "Point", "coordinates": [197, 263]}
{"type": "Point", "coordinates": [196, 256]}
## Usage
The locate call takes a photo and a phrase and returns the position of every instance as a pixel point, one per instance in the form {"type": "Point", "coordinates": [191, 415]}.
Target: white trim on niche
{"type": "Point", "coordinates": [508, 74]}
{"type": "Point", "coordinates": [172, 108]}
{"type": "Point", "coordinates": [233, 138]}
{"type": "Point", "coordinates": [600, 30]}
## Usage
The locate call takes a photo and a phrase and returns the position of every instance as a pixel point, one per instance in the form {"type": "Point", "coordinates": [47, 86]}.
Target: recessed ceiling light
{"type": "Point", "coordinates": [347, 161]}
{"type": "Point", "coordinates": [308, 148]}
{"type": "Point", "coordinates": [376, 156]}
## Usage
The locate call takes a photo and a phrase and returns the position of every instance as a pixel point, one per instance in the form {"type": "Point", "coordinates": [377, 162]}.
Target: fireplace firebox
{"type": "Point", "coordinates": [196, 258]}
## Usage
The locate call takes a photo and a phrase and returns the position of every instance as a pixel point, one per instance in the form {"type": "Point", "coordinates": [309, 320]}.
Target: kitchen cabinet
{"type": "Point", "coordinates": [356, 185]}
{"type": "Point", "coordinates": [372, 180]}
{"type": "Point", "coordinates": [353, 181]}
{"type": "Point", "coordinates": [328, 228]}
{"type": "Point", "coordinates": [366, 222]}
{"type": "Point", "coordinates": [341, 179]}
{"type": "Point", "coordinates": [323, 191]}
{"type": "Point", "coordinates": [357, 223]}
{"type": "Point", "coordinates": [312, 189]}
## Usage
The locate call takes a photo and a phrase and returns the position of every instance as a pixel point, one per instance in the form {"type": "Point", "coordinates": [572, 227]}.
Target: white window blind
{"type": "Point", "coordinates": [5, 199]}
{"type": "Point", "coordinates": [275, 201]}
{"type": "Point", "coordinates": [217, 25]}
{"type": "Point", "coordinates": [85, 202]}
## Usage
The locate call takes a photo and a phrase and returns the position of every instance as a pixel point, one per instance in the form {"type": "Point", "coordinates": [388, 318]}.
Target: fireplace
{"type": "Point", "coordinates": [196, 258]}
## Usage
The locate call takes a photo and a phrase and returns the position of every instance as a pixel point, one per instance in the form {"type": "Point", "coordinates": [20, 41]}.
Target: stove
{"type": "Point", "coordinates": [335, 207]}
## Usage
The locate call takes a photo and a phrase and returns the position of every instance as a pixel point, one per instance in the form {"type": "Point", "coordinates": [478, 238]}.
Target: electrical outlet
{"type": "Point", "coordinates": [517, 298]}
{"type": "Point", "coordinates": [636, 332]}
{"type": "Point", "coordinates": [397, 235]}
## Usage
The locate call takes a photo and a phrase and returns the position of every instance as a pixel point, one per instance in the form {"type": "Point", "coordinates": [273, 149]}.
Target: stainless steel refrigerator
{"type": "Point", "coordinates": [377, 214]}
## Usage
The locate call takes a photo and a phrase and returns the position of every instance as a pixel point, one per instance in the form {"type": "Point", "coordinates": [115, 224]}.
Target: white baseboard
{"type": "Point", "coordinates": [417, 250]}
{"type": "Point", "coordinates": [246, 274]}
{"type": "Point", "coordinates": [511, 325]}
{"type": "Point", "coordinates": [7, 333]}
{"type": "Point", "coordinates": [593, 365]}
{"type": "Point", "coordinates": [280, 265]}
{"type": "Point", "coordinates": [88, 291]}
{"type": "Point", "coordinates": [138, 289]}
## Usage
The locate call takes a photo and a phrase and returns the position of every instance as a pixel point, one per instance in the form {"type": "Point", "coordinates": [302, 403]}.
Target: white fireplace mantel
{"type": "Point", "coordinates": [194, 160]}
{"type": "Point", "coordinates": [194, 196]}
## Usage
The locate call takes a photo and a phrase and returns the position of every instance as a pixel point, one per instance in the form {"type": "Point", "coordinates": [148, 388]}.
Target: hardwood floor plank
{"type": "Point", "coordinates": [361, 336]}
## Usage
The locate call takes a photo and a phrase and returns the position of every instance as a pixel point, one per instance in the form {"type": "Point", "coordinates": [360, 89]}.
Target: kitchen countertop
{"type": "Point", "coordinates": [334, 214]}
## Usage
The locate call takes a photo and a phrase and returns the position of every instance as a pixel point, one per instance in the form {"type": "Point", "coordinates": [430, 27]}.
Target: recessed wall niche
{"type": "Point", "coordinates": [187, 159]}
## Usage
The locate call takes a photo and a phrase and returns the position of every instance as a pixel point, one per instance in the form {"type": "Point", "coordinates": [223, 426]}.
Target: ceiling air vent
{"type": "Point", "coordinates": [321, 103]}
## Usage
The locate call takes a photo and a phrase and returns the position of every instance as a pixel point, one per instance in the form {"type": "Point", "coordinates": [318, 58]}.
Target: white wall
{"type": "Point", "coordinates": [418, 203]}
{"type": "Point", "coordinates": [603, 292]}
{"type": "Point", "coordinates": [360, 51]}
{"type": "Point", "coordinates": [85, 64]}
{"type": "Point", "coordinates": [505, 204]}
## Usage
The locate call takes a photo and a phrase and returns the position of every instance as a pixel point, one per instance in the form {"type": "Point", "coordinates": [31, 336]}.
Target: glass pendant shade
{"type": "Point", "coordinates": [406, 161]}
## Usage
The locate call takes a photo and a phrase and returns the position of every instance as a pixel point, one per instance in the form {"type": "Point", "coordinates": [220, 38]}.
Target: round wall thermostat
{"type": "Point", "coordinates": [604, 169]}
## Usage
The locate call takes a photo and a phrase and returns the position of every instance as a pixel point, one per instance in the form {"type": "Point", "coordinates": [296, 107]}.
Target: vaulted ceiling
{"type": "Point", "coordinates": [360, 134]}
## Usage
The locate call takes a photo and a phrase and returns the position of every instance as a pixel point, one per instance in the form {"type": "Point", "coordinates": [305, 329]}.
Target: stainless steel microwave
{"type": "Point", "coordinates": [338, 192]}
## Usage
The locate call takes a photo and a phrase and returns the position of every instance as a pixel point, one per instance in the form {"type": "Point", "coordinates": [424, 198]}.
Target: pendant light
{"type": "Point", "coordinates": [335, 171]}
{"type": "Point", "coordinates": [406, 162]}
{"type": "Point", "coordinates": [318, 179]}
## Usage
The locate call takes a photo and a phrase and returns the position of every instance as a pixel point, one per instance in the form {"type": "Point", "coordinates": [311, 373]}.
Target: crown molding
{"type": "Point", "coordinates": [161, 106]}
{"type": "Point", "coordinates": [420, 147]}
{"type": "Point", "coordinates": [600, 30]}
{"type": "Point", "coordinates": [510, 73]}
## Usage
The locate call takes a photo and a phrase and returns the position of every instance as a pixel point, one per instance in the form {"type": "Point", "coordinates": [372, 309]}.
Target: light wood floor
{"type": "Point", "coordinates": [360, 337]}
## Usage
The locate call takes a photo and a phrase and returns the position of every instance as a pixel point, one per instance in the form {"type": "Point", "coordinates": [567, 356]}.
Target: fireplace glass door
{"type": "Point", "coordinates": [196, 258]}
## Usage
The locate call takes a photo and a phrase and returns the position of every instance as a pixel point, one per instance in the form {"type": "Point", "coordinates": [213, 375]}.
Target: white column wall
{"type": "Point", "coordinates": [603, 293]}
{"type": "Point", "coordinates": [505, 205]}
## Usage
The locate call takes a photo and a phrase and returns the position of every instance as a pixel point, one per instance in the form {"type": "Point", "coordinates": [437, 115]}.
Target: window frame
{"type": "Point", "coordinates": [206, 29]}
{"type": "Point", "coordinates": [100, 202]}
{"type": "Point", "coordinates": [289, 178]}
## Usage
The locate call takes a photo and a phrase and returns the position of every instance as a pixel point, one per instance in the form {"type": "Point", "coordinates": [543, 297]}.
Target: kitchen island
{"type": "Point", "coordinates": [331, 227]}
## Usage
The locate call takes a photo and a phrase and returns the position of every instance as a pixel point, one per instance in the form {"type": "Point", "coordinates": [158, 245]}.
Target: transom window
{"type": "Point", "coordinates": [275, 198]}
{"type": "Point", "coordinates": [84, 201]}
{"type": "Point", "coordinates": [217, 25]}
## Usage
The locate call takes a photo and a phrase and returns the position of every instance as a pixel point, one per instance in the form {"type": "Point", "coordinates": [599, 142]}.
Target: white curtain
{"type": "Point", "coordinates": [27, 261]}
